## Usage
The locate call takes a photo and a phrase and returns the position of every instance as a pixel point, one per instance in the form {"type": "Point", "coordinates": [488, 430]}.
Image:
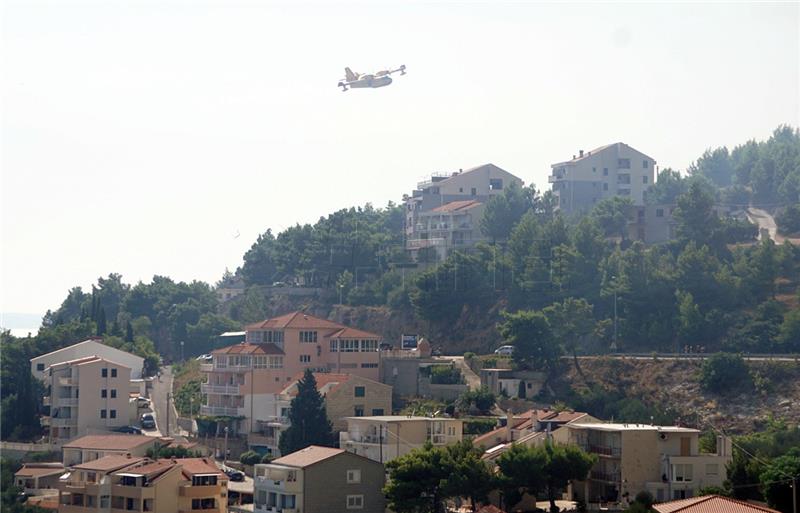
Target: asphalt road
{"type": "Point", "coordinates": [162, 386]}
{"type": "Point", "coordinates": [764, 221]}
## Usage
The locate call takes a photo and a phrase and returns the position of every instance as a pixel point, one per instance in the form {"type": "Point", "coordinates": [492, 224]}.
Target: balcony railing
{"type": "Point", "coordinates": [68, 382]}
{"type": "Point", "coordinates": [605, 451]}
{"type": "Point", "coordinates": [66, 401]}
{"type": "Point", "coordinates": [66, 422]}
{"type": "Point", "coordinates": [611, 477]}
{"type": "Point", "coordinates": [219, 410]}
{"type": "Point", "coordinates": [424, 243]}
{"type": "Point", "coordinates": [206, 367]}
{"type": "Point", "coordinates": [219, 389]}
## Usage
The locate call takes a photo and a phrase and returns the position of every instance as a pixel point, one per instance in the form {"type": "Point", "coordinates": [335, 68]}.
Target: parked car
{"type": "Point", "coordinates": [204, 358]}
{"type": "Point", "coordinates": [234, 475]}
{"type": "Point", "coordinates": [131, 430]}
{"type": "Point", "coordinates": [142, 402]}
{"type": "Point", "coordinates": [148, 421]}
{"type": "Point", "coordinates": [504, 350]}
{"type": "Point", "coordinates": [279, 284]}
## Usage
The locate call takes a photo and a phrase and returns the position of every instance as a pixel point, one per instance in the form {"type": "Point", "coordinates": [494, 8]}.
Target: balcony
{"type": "Point", "coordinates": [273, 509]}
{"type": "Point", "coordinates": [609, 477]}
{"type": "Point", "coordinates": [220, 389]}
{"type": "Point", "coordinates": [66, 401]}
{"type": "Point", "coordinates": [63, 422]}
{"type": "Point", "coordinates": [613, 452]}
{"type": "Point", "coordinates": [68, 382]}
{"type": "Point", "coordinates": [219, 411]}
{"type": "Point", "coordinates": [44, 421]}
{"type": "Point", "coordinates": [554, 178]}
{"type": "Point", "coordinates": [206, 367]}
{"type": "Point", "coordinates": [424, 243]}
{"type": "Point", "coordinates": [197, 492]}
{"type": "Point", "coordinates": [133, 492]}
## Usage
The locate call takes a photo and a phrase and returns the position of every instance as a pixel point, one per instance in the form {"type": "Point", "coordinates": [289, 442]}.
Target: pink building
{"type": "Point", "coordinates": [244, 380]}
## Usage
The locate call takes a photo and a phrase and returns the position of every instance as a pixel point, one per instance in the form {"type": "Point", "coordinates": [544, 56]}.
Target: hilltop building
{"type": "Point", "coordinates": [90, 347]}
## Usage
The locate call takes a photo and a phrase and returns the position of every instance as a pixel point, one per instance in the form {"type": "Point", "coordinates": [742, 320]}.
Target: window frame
{"type": "Point", "coordinates": [356, 503]}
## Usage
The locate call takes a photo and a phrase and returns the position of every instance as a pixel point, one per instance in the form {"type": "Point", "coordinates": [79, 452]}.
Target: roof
{"type": "Point", "coordinates": [323, 379]}
{"type": "Point", "coordinates": [245, 348]}
{"type": "Point", "coordinates": [397, 418]}
{"type": "Point", "coordinates": [589, 153]}
{"type": "Point", "coordinates": [482, 167]}
{"type": "Point", "coordinates": [295, 320]}
{"type": "Point", "coordinates": [309, 456]}
{"type": "Point", "coordinates": [710, 504]}
{"type": "Point", "coordinates": [525, 421]}
{"type": "Point", "coordinates": [457, 206]}
{"type": "Point", "coordinates": [39, 469]}
{"type": "Point", "coordinates": [110, 442]}
{"type": "Point", "coordinates": [87, 343]}
{"type": "Point", "coordinates": [109, 463]}
{"type": "Point", "coordinates": [633, 427]}
{"type": "Point", "coordinates": [151, 468]}
{"type": "Point", "coordinates": [353, 333]}
{"type": "Point", "coordinates": [197, 466]}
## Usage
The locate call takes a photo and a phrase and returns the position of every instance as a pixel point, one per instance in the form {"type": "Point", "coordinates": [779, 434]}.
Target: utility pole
{"type": "Point", "coordinates": [225, 454]}
{"type": "Point", "coordinates": [794, 494]}
{"type": "Point", "coordinates": [169, 395]}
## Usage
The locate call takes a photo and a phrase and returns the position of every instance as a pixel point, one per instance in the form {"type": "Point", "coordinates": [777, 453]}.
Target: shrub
{"type": "Point", "coordinates": [788, 221]}
{"type": "Point", "coordinates": [479, 426]}
{"type": "Point", "coordinates": [250, 458]}
{"type": "Point", "coordinates": [482, 399]}
{"type": "Point", "coordinates": [267, 458]}
{"type": "Point", "coordinates": [445, 375]}
{"type": "Point", "coordinates": [724, 372]}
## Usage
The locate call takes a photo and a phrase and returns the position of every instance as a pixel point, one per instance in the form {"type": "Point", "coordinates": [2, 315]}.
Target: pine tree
{"type": "Point", "coordinates": [309, 422]}
{"type": "Point", "coordinates": [128, 332]}
{"type": "Point", "coordinates": [116, 330]}
{"type": "Point", "coordinates": [101, 322]}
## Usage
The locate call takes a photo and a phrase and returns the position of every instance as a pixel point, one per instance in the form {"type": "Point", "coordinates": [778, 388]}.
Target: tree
{"type": "Point", "coordinates": [482, 399]}
{"type": "Point", "coordinates": [691, 322]}
{"type": "Point", "coordinates": [101, 322]}
{"type": "Point", "coordinates": [470, 476]}
{"type": "Point", "coordinates": [530, 334]}
{"type": "Point", "coordinates": [250, 458]}
{"type": "Point", "coordinates": [571, 322]}
{"type": "Point", "coordinates": [724, 372]}
{"type": "Point", "coordinates": [776, 483]}
{"type": "Point", "coordinates": [418, 480]}
{"type": "Point", "coordinates": [669, 185]}
{"type": "Point", "coordinates": [715, 166]}
{"type": "Point", "coordinates": [695, 216]}
{"type": "Point", "coordinates": [789, 338]}
{"type": "Point", "coordinates": [309, 422]}
{"type": "Point", "coordinates": [612, 216]}
{"type": "Point", "coordinates": [565, 463]}
{"type": "Point", "coordinates": [503, 211]}
{"type": "Point", "coordinates": [788, 220]}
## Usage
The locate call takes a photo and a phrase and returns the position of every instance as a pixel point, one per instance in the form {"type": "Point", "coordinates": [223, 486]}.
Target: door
{"type": "Point", "coordinates": [686, 444]}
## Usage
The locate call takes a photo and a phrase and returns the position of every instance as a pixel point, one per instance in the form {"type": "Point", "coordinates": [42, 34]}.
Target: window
{"type": "Point", "coordinates": [712, 469]}
{"type": "Point", "coordinates": [645, 179]}
{"type": "Point", "coordinates": [605, 171]}
{"type": "Point", "coordinates": [434, 190]}
{"type": "Point", "coordinates": [624, 192]}
{"type": "Point", "coordinates": [495, 184]}
{"type": "Point", "coordinates": [369, 365]}
{"type": "Point", "coordinates": [460, 189]}
{"type": "Point", "coordinates": [682, 472]}
{"type": "Point", "coordinates": [287, 501]}
{"type": "Point", "coordinates": [594, 170]}
{"type": "Point", "coordinates": [104, 501]}
{"type": "Point", "coordinates": [349, 346]}
{"type": "Point", "coordinates": [474, 191]}
{"type": "Point", "coordinates": [659, 212]}
{"type": "Point", "coordinates": [624, 163]}
{"type": "Point", "coordinates": [102, 414]}
{"type": "Point", "coordinates": [354, 476]}
{"type": "Point", "coordinates": [113, 373]}
{"type": "Point", "coordinates": [377, 411]}
{"type": "Point", "coordinates": [368, 346]}
{"type": "Point", "coordinates": [645, 164]}
{"type": "Point", "coordinates": [624, 178]}
{"type": "Point", "coordinates": [113, 393]}
{"type": "Point", "coordinates": [358, 410]}
{"type": "Point", "coordinates": [276, 362]}
{"type": "Point", "coordinates": [355, 502]}
{"type": "Point", "coordinates": [334, 346]}
{"type": "Point", "coordinates": [359, 391]}
{"type": "Point", "coordinates": [308, 337]}
{"type": "Point", "coordinates": [103, 393]}
{"type": "Point", "coordinates": [104, 373]}
{"type": "Point", "coordinates": [113, 414]}
{"type": "Point", "coordinates": [259, 362]}
{"type": "Point", "coordinates": [605, 186]}
{"type": "Point", "coordinates": [39, 366]}
{"type": "Point", "coordinates": [305, 358]}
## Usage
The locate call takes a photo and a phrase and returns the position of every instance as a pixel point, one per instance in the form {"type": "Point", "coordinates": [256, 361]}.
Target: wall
{"type": "Point", "coordinates": [88, 348]}
{"type": "Point", "coordinates": [341, 401]}
{"type": "Point", "coordinates": [326, 486]}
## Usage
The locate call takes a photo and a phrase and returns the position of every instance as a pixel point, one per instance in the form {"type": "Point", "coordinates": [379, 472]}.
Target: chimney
{"type": "Point", "coordinates": [509, 420]}
{"type": "Point", "coordinates": [128, 455]}
{"type": "Point", "coordinates": [581, 153]}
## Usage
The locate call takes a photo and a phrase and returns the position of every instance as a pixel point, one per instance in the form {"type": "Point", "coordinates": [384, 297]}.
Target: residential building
{"type": "Point", "coordinates": [611, 170]}
{"type": "Point", "coordinates": [663, 460]}
{"type": "Point", "coordinates": [443, 212]}
{"type": "Point", "coordinates": [513, 383]}
{"type": "Point", "coordinates": [517, 427]}
{"type": "Point", "coordinates": [244, 380]}
{"type": "Point", "coordinates": [230, 287]}
{"type": "Point", "coordinates": [93, 447]}
{"type": "Point", "coordinates": [711, 504]}
{"type": "Point", "coordinates": [319, 479]}
{"type": "Point", "coordinates": [88, 393]}
{"type": "Point", "coordinates": [91, 347]}
{"type": "Point", "coordinates": [126, 483]}
{"type": "Point", "coordinates": [408, 371]}
{"type": "Point", "coordinates": [38, 478]}
{"type": "Point", "coordinates": [384, 438]}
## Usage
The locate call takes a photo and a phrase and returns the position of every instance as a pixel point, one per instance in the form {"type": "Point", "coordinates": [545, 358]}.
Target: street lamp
{"type": "Point", "coordinates": [181, 350]}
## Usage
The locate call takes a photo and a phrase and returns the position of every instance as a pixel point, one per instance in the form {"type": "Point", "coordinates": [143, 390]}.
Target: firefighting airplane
{"type": "Point", "coordinates": [377, 79]}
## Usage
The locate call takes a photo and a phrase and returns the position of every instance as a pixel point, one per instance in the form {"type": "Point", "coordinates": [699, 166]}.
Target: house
{"type": "Point", "coordinates": [663, 460]}
{"type": "Point", "coordinates": [244, 380]}
{"type": "Point", "coordinates": [38, 478]}
{"type": "Point", "coordinates": [517, 428]}
{"type": "Point", "coordinates": [409, 372]}
{"type": "Point", "coordinates": [513, 383]}
{"type": "Point", "coordinates": [590, 177]}
{"type": "Point", "coordinates": [93, 447]}
{"type": "Point", "coordinates": [103, 405]}
{"type": "Point", "coordinates": [140, 484]}
{"type": "Point", "coordinates": [319, 479]}
{"type": "Point", "coordinates": [230, 287]}
{"type": "Point", "coordinates": [91, 347]}
{"type": "Point", "coordinates": [443, 213]}
{"type": "Point", "coordinates": [384, 438]}
{"type": "Point", "coordinates": [710, 504]}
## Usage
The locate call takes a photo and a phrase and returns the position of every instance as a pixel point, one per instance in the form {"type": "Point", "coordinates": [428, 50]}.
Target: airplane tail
{"type": "Point", "coordinates": [348, 73]}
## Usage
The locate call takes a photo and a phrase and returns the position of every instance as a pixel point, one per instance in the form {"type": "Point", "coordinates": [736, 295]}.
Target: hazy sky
{"type": "Point", "coordinates": [140, 137]}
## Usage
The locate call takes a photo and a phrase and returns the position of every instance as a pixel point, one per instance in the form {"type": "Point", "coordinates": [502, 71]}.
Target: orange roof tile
{"type": "Point", "coordinates": [245, 348]}
{"type": "Point", "coordinates": [352, 333]}
{"type": "Point", "coordinates": [710, 504]}
{"type": "Point", "coordinates": [308, 456]}
{"type": "Point", "coordinates": [295, 320]}
{"type": "Point", "coordinates": [151, 468]}
{"type": "Point", "coordinates": [322, 379]}
{"type": "Point", "coordinates": [455, 206]}
{"type": "Point", "coordinates": [39, 469]}
{"type": "Point", "coordinates": [110, 463]}
{"type": "Point", "coordinates": [194, 466]}
{"type": "Point", "coordinates": [110, 442]}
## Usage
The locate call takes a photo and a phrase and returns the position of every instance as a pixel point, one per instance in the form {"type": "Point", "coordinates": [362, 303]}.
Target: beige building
{"type": "Point", "coordinates": [384, 438]}
{"type": "Point", "coordinates": [93, 447]}
{"type": "Point", "coordinates": [90, 347]}
{"type": "Point", "coordinates": [126, 483]}
{"type": "Point", "coordinates": [319, 479]}
{"type": "Point", "coordinates": [443, 212]}
{"type": "Point", "coordinates": [664, 460]}
{"type": "Point", "coordinates": [88, 393]}
{"type": "Point", "coordinates": [611, 170]}
{"type": "Point", "coordinates": [38, 478]}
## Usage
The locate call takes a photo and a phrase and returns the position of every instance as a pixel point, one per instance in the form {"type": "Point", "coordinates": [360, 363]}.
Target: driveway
{"type": "Point", "coordinates": [472, 379]}
{"type": "Point", "coordinates": [765, 222]}
{"type": "Point", "coordinates": [162, 386]}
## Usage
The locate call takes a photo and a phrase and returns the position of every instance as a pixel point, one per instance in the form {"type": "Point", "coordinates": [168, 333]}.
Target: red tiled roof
{"type": "Point", "coordinates": [194, 466]}
{"type": "Point", "coordinates": [710, 504]}
{"type": "Point", "coordinates": [295, 320]}
{"type": "Point", "coordinates": [110, 442]}
{"type": "Point", "coordinates": [322, 379]}
{"type": "Point", "coordinates": [525, 421]}
{"type": "Point", "coordinates": [352, 333]}
{"type": "Point", "coordinates": [152, 468]}
{"type": "Point", "coordinates": [308, 456]}
{"type": "Point", "coordinates": [109, 463]}
{"type": "Point", "coordinates": [245, 348]}
{"type": "Point", "coordinates": [455, 206]}
{"type": "Point", "coordinates": [39, 469]}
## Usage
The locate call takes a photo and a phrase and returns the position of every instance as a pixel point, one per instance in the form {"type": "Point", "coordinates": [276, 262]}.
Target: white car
{"type": "Point", "coordinates": [504, 350]}
{"type": "Point", "coordinates": [142, 402]}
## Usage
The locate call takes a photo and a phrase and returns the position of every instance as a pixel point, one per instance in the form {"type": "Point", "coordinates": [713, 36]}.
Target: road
{"type": "Point", "coordinates": [161, 387]}
{"type": "Point", "coordinates": [765, 222]}
{"type": "Point", "coordinates": [472, 379]}
{"type": "Point", "coordinates": [690, 356]}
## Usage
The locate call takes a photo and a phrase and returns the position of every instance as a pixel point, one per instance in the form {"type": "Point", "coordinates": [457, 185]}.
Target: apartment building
{"type": "Point", "coordinates": [517, 427]}
{"type": "Point", "coordinates": [443, 212]}
{"type": "Point", "coordinates": [611, 170]}
{"type": "Point", "coordinates": [87, 393]}
{"type": "Point", "coordinates": [384, 438]}
{"type": "Point", "coordinates": [93, 447]}
{"type": "Point", "coordinates": [245, 380]}
{"type": "Point", "coordinates": [664, 460]}
{"type": "Point", "coordinates": [128, 483]}
{"type": "Point", "coordinates": [90, 347]}
{"type": "Point", "coordinates": [319, 479]}
{"type": "Point", "coordinates": [38, 478]}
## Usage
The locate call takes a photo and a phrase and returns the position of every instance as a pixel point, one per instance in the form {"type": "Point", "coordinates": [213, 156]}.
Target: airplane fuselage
{"type": "Point", "coordinates": [370, 81]}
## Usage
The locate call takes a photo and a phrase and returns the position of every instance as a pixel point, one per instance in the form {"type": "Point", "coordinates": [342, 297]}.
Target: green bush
{"type": "Point", "coordinates": [479, 426]}
{"type": "Point", "coordinates": [482, 399]}
{"type": "Point", "coordinates": [250, 458]}
{"type": "Point", "coordinates": [788, 221]}
{"type": "Point", "coordinates": [267, 458]}
{"type": "Point", "coordinates": [445, 375]}
{"type": "Point", "coordinates": [725, 372]}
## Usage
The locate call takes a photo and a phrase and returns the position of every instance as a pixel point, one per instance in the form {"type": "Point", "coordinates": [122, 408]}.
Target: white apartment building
{"type": "Point", "coordinates": [91, 347]}
{"type": "Point", "coordinates": [384, 438]}
{"type": "Point", "coordinates": [444, 211]}
{"type": "Point", "coordinates": [611, 170]}
{"type": "Point", "coordinates": [87, 393]}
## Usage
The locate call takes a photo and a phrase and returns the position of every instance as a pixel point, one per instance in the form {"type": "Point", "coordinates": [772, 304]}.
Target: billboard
{"type": "Point", "coordinates": [408, 341]}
